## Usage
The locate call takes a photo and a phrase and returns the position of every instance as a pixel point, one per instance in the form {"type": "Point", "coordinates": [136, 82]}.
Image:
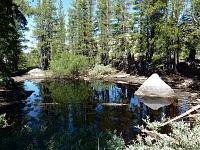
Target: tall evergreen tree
{"type": "Point", "coordinates": [72, 27]}
{"type": "Point", "coordinates": [160, 32]}
{"type": "Point", "coordinates": [59, 40]}
{"type": "Point", "coordinates": [13, 23]}
{"type": "Point", "coordinates": [80, 27]}
{"type": "Point", "coordinates": [154, 28]}
{"type": "Point", "coordinates": [121, 28]}
{"type": "Point", "coordinates": [103, 17]}
{"type": "Point", "coordinates": [191, 29]}
{"type": "Point", "coordinates": [45, 30]}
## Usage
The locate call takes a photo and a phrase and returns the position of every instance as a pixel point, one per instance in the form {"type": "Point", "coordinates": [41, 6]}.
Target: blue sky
{"type": "Point", "coordinates": [29, 34]}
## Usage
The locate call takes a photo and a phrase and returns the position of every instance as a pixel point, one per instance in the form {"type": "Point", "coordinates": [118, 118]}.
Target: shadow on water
{"type": "Point", "coordinates": [79, 104]}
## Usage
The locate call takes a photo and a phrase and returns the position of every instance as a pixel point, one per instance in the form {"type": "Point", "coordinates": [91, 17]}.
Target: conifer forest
{"type": "Point", "coordinates": [70, 70]}
{"type": "Point", "coordinates": [136, 36]}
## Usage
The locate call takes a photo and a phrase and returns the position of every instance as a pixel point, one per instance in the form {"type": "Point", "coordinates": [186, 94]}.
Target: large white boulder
{"type": "Point", "coordinates": [154, 86]}
{"type": "Point", "coordinates": [36, 72]}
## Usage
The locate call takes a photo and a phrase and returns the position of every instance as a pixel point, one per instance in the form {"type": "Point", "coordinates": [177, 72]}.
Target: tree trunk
{"type": "Point", "coordinates": [192, 54]}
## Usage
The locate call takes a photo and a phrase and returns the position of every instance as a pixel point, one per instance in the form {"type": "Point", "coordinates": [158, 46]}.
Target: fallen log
{"type": "Point", "coordinates": [181, 116]}
{"type": "Point", "coordinates": [113, 104]}
{"type": "Point", "coordinates": [45, 103]}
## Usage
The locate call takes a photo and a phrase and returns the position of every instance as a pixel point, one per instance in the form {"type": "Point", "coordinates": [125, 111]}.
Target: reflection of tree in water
{"type": "Point", "coordinates": [79, 105]}
{"type": "Point", "coordinates": [74, 102]}
{"type": "Point", "coordinates": [167, 110]}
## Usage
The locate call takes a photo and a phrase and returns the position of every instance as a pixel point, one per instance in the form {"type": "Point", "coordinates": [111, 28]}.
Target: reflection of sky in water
{"type": "Point", "coordinates": [35, 97]}
{"type": "Point", "coordinates": [114, 94]}
{"type": "Point", "coordinates": [120, 118]}
{"type": "Point", "coordinates": [182, 106]}
{"type": "Point", "coordinates": [134, 103]}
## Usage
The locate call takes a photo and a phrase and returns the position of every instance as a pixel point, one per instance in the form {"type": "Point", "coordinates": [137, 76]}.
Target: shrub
{"type": "Point", "coordinates": [66, 64]}
{"type": "Point", "coordinates": [6, 81]}
{"type": "Point", "coordinates": [101, 70]}
{"type": "Point", "coordinates": [3, 121]}
{"type": "Point", "coordinates": [156, 62]}
{"type": "Point", "coordinates": [182, 136]}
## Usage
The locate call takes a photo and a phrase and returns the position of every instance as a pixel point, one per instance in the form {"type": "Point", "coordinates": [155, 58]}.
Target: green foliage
{"type": "Point", "coordinates": [98, 85]}
{"type": "Point", "coordinates": [50, 137]}
{"type": "Point", "coordinates": [13, 24]}
{"type": "Point", "coordinates": [45, 30]}
{"type": "Point", "coordinates": [44, 136]}
{"type": "Point", "coordinates": [60, 37]}
{"type": "Point", "coordinates": [156, 62]}
{"type": "Point", "coordinates": [181, 137]}
{"type": "Point", "coordinates": [66, 93]}
{"type": "Point", "coordinates": [6, 81]}
{"type": "Point", "coordinates": [3, 121]}
{"type": "Point", "coordinates": [23, 64]}
{"type": "Point", "coordinates": [101, 70]}
{"type": "Point", "coordinates": [66, 64]}
{"type": "Point", "coordinates": [81, 27]}
{"type": "Point", "coordinates": [32, 58]}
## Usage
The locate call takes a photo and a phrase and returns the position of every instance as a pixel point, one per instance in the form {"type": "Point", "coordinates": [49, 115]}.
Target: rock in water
{"type": "Point", "coordinates": [154, 86]}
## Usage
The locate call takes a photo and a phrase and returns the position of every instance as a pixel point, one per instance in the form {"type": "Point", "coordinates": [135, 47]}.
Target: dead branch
{"type": "Point", "coordinates": [46, 103]}
{"type": "Point", "coordinates": [181, 116]}
{"type": "Point", "coordinates": [113, 104]}
{"type": "Point", "coordinates": [194, 115]}
{"type": "Point", "coordinates": [195, 102]}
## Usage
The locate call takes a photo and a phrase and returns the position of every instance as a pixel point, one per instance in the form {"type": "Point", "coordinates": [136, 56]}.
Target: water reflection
{"type": "Point", "coordinates": [73, 105]}
{"type": "Point", "coordinates": [35, 97]}
{"type": "Point", "coordinates": [79, 104]}
{"type": "Point", "coordinates": [155, 102]}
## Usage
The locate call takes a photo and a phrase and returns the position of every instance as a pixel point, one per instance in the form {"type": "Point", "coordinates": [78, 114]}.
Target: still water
{"type": "Point", "coordinates": [91, 104]}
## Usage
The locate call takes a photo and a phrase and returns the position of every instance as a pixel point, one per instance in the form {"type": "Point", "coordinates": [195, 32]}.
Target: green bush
{"type": "Point", "coordinates": [6, 81]}
{"type": "Point", "coordinates": [3, 121]}
{"type": "Point", "coordinates": [101, 70]}
{"type": "Point", "coordinates": [66, 64]}
{"type": "Point", "coordinates": [156, 62]}
{"type": "Point", "coordinates": [182, 137]}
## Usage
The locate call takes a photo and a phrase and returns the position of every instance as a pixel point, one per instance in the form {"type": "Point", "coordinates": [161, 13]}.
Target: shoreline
{"type": "Point", "coordinates": [180, 84]}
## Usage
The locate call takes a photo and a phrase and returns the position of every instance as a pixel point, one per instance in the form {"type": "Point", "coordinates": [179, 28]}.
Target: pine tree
{"type": "Point", "coordinates": [59, 41]}
{"type": "Point", "coordinates": [13, 23]}
{"type": "Point", "coordinates": [191, 30]}
{"type": "Point", "coordinates": [80, 27]}
{"type": "Point", "coordinates": [103, 19]}
{"type": "Point", "coordinates": [159, 32]}
{"type": "Point", "coordinates": [72, 27]}
{"type": "Point", "coordinates": [45, 30]}
{"type": "Point", "coordinates": [120, 29]}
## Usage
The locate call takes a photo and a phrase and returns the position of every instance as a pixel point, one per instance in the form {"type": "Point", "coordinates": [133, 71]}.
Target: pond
{"type": "Point", "coordinates": [100, 105]}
